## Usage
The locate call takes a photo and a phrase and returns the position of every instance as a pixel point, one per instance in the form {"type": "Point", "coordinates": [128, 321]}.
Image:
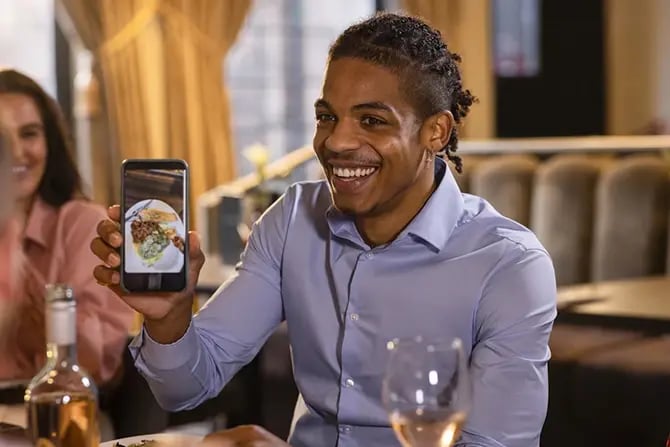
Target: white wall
{"type": "Point", "coordinates": [27, 39]}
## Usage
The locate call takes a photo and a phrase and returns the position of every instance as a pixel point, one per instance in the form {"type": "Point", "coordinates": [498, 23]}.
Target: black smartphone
{"type": "Point", "coordinates": [154, 225]}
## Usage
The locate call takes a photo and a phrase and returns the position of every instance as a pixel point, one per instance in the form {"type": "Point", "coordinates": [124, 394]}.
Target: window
{"type": "Point", "coordinates": [516, 37]}
{"type": "Point", "coordinates": [27, 40]}
{"type": "Point", "coordinates": [275, 69]}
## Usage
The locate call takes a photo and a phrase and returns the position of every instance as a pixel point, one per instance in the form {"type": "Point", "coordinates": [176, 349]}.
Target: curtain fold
{"type": "Point", "coordinates": [467, 28]}
{"type": "Point", "coordinates": [162, 69]}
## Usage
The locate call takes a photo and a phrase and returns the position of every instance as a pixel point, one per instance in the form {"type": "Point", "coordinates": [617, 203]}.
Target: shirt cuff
{"type": "Point", "coordinates": [160, 356]}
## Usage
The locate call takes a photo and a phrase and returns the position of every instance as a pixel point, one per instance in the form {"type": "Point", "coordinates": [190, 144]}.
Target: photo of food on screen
{"type": "Point", "coordinates": [154, 221]}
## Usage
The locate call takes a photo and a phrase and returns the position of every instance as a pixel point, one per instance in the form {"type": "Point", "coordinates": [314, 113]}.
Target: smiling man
{"type": "Point", "coordinates": [387, 247]}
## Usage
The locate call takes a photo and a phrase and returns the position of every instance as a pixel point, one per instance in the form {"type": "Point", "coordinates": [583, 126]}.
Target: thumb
{"type": "Point", "coordinates": [194, 244]}
{"type": "Point", "coordinates": [195, 254]}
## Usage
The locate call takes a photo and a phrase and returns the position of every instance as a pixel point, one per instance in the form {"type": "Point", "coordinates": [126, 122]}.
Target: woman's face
{"type": "Point", "coordinates": [21, 120]}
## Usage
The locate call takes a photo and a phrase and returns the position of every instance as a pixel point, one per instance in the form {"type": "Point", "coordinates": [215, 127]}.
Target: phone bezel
{"type": "Point", "coordinates": [141, 282]}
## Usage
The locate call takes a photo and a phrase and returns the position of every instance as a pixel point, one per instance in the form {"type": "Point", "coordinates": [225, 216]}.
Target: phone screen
{"type": "Point", "coordinates": [154, 225]}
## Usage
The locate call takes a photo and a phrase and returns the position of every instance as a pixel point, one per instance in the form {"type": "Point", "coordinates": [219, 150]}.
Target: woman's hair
{"type": "Point", "coordinates": [61, 181]}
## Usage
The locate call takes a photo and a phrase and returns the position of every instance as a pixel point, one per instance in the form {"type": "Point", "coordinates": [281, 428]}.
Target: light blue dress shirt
{"type": "Point", "coordinates": [459, 269]}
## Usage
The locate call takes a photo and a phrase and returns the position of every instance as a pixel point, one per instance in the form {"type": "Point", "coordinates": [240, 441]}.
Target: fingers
{"type": "Point", "coordinates": [105, 247]}
{"type": "Point", "coordinates": [106, 276]}
{"type": "Point", "coordinates": [216, 440]}
{"type": "Point", "coordinates": [109, 278]}
{"type": "Point", "coordinates": [256, 432]}
{"type": "Point", "coordinates": [105, 253]}
{"type": "Point", "coordinates": [243, 436]}
{"type": "Point", "coordinates": [114, 213]}
{"type": "Point", "coordinates": [108, 231]}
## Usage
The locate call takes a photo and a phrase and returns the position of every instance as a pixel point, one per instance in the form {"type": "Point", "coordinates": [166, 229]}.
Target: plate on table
{"type": "Point", "coordinates": [156, 440]}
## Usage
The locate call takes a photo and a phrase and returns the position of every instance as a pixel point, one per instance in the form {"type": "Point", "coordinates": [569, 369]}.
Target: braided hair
{"type": "Point", "coordinates": [428, 71]}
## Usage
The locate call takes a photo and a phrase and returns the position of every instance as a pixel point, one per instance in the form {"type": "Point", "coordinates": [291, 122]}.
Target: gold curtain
{"type": "Point", "coordinates": [466, 26]}
{"type": "Point", "coordinates": [162, 69]}
{"type": "Point", "coordinates": [636, 40]}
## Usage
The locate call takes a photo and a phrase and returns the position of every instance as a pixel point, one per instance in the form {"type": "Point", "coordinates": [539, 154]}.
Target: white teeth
{"type": "Point", "coordinates": [19, 169]}
{"type": "Point", "coordinates": [358, 172]}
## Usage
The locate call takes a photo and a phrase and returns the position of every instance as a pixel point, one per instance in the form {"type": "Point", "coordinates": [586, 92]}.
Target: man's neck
{"type": "Point", "coordinates": [385, 227]}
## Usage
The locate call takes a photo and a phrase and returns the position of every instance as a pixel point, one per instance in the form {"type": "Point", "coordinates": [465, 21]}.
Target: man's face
{"type": "Point", "coordinates": [367, 138]}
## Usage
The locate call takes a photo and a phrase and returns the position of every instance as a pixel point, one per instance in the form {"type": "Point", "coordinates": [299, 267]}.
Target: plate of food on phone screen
{"type": "Point", "coordinates": [154, 238]}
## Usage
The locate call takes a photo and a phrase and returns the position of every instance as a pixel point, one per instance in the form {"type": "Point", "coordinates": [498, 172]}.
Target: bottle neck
{"type": "Point", "coordinates": [61, 333]}
{"type": "Point", "coordinates": [61, 354]}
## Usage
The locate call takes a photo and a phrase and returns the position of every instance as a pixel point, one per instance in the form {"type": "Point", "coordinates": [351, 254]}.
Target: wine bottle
{"type": "Point", "coordinates": [62, 399]}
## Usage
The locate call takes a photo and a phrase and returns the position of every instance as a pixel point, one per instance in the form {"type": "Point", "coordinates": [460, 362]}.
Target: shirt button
{"type": "Point", "coordinates": [369, 255]}
{"type": "Point", "coordinates": [349, 382]}
{"type": "Point", "coordinates": [345, 429]}
{"type": "Point", "coordinates": [354, 317]}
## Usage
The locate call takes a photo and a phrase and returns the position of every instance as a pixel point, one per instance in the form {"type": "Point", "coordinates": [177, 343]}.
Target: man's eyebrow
{"type": "Point", "coordinates": [376, 105]}
{"type": "Point", "coordinates": [322, 103]}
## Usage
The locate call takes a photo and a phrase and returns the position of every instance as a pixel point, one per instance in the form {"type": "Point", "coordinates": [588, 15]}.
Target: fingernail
{"type": "Point", "coordinates": [116, 239]}
{"type": "Point", "coordinates": [115, 278]}
{"type": "Point", "coordinates": [113, 259]}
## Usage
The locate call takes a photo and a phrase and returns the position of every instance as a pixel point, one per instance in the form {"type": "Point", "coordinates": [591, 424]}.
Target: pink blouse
{"type": "Point", "coordinates": [56, 248]}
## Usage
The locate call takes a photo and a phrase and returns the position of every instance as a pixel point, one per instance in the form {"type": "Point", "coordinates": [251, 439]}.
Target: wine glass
{"type": "Point", "coordinates": [426, 391]}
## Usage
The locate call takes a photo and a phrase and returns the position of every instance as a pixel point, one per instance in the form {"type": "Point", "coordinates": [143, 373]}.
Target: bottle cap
{"type": "Point", "coordinates": [59, 292]}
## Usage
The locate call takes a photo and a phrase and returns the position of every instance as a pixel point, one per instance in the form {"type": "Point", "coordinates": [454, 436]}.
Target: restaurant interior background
{"type": "Point", "coordinates": [571, 137]}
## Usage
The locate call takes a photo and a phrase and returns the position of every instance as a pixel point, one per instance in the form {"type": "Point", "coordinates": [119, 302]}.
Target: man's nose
{"type": "Point", "coordinates": [344, 137]}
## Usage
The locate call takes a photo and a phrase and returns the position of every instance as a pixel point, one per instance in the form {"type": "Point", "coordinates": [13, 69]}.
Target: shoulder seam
{"type": "Point", "coordinates": [524, 246]}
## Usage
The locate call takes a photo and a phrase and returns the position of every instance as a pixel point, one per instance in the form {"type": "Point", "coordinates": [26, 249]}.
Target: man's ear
{"type": "Point", "coordinates": [436, 130]}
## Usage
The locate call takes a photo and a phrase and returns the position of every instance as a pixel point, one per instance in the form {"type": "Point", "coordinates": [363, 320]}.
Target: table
{"type": "Point", "coordinates": [639, 303]}
{"type": "Point", "coordinates": [15, 436]}
{"type": "Point", "coordinates": [165, 439]}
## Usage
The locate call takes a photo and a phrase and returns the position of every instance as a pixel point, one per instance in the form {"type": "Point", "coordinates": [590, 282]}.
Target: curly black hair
{"type": "Point", "coordinates": [61, 181]}
{"type": "Point", "coordinates": [429, 72]}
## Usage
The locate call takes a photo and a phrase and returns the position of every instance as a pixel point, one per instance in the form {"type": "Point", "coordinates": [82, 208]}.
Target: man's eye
{"type": "Point", "coordinates": [324, 117]}
{"type": "Point", "coordinates": [371, 121]}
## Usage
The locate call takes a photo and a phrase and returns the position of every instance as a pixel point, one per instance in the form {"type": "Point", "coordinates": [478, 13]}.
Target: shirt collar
{"type": "Point", "coordinates": [41, 217]}
{"type": "Point", "coordinates": [432, 226]}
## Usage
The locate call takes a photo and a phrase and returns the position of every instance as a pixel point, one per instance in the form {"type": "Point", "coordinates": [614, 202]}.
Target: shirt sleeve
{"type": "Point", "coordinates": [103, 320]}
{"type": "Point", "coordinates": [510, 355]}
{"type": "Point", "coordinates": [230, 329]}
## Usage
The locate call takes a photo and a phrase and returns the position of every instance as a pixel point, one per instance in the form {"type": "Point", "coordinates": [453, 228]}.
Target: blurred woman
{"type": "Point", "coordinates": [9, 238]}
{"type": "Point", "coordinates": [55, 223]}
